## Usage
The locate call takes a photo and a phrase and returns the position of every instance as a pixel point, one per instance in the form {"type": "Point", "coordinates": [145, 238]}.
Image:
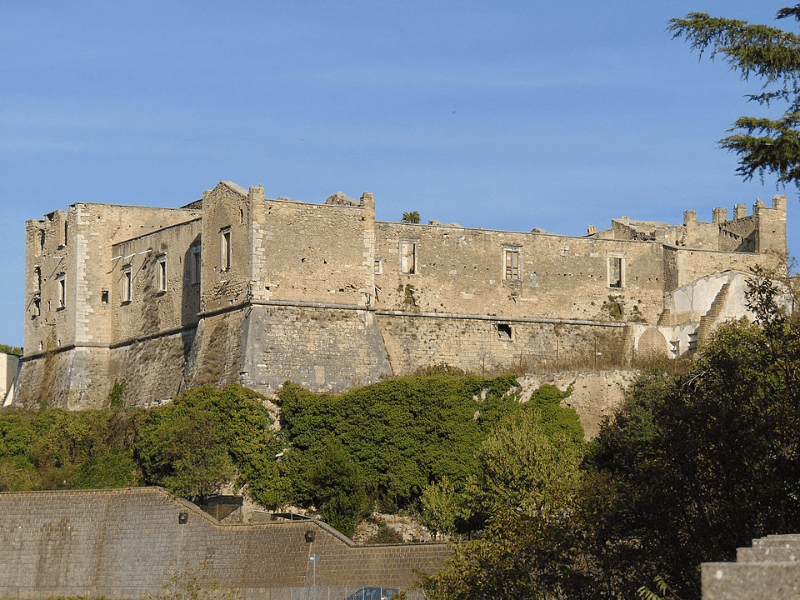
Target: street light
{"type": "Point", "coordinates": [313, 560]}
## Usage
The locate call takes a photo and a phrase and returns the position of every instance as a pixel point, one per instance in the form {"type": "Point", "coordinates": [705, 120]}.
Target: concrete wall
{"type": "Point", "coordinates": [125, 544]}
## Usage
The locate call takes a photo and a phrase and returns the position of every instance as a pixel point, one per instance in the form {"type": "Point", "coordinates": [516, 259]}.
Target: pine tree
{"type": "Point", "coordinates": [764, 145]}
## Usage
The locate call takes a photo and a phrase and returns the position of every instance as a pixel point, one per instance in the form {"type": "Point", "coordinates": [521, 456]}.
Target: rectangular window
{"type": "Point", "coordinates": [408, 257]}
{"type": "Point", "coordinates": [378, 270]}
{"type": "Point", "coordinates": [225, 246]}
{"type": "Point", "coordinates": [616, 271]}
{"type": "Point", "coordinates": [196, 264]}
{"type": "Point", "coordinates": [127, 284]}
{"type": "Point", "coordinates": [162, 272]}
{"type": "Point", "coordinates": [104, 297]}
{"type": "Point", "coordinates": [62, 290]}
{"type": "Point", "coordinates": [511, 270]}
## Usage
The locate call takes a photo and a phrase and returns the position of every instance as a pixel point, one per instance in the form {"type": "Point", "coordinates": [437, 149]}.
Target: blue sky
{"type": "Point", "coordinates": [503, 115]}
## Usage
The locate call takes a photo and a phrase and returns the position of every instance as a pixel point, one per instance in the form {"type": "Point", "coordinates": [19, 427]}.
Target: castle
{"type": "Point", "coordinates": [237, 287]}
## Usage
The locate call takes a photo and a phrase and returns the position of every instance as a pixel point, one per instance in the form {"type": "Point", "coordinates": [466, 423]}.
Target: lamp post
{"type": "Point", "coordinates": [313, 560]}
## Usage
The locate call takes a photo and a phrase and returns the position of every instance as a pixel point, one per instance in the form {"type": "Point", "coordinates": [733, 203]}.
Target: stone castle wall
{"type": "Point", "coordinates": [241, 288]}
{"type": "Point", "coordinates": [126, 544]}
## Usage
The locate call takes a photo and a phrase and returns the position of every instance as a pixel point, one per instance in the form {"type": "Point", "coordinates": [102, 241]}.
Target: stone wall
{"type": "Point", "coordinates": [462, 271]}
{"type": "Point", "coordinates": [242, 288]}
{"type": "Point", "coordinates": [126, 544]}
{"type": "Point", "coordinates": [491, 345]}
{"type": "Point", "coordinates": [769, 569]}
{"type": "Point", "coordinates": [321, 347]}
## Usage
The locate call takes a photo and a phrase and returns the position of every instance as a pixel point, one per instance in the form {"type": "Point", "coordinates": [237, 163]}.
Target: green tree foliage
{"type": "Point", "coordinates": [204, 439]}
{"type": "Point", "coordinates": [411, 217]}
{"type": "Point", "coordinates": [47, 449]}
{"type": "Point", "coordinates": [403, 434]}
{"type": "Point", "coordinates": [706, 462]}
{"type": "Point", "coordinates": [528, 484]}
{"type": "Point", "coordinates": [338, 487]}
{"type": "Point", "coordinates": [763, 144]}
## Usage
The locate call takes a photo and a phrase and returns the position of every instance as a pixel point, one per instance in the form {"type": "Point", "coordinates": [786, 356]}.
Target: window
{"type": "Point", "coordinates": [504, 331]}
{"type": "Point", "coordinates": [104, 297]}
{"type": "Point", "coordinates": [37, 307]}
{"type": "Point", "coordinates": [378, 270]}
{"type": "Point", "coordinates": [161, 272]}
{"type": "Point", "coordinates": [408, 257]}
{"type": "Point", "coordinates": [616, 270]}
{"type": "Point", "coordinates": [511, 264]}
{"type": "Point", "coordinates": [38, 276]}
{"type": "Point", "coordinates": [62, 290]}
{"type": "Point", "coordinates": [195, 264]}
{"type": "Point", "coordinates": [225, 244]}
{"type": "Point", "coordinates": [127, 284]}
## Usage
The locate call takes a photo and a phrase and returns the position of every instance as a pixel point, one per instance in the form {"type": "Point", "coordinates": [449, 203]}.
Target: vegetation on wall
{"type": "Point", "coordinates": [5, 349]}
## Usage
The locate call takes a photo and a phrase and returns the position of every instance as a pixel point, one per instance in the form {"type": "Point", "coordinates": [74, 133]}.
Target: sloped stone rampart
{"type": "Point", "coordinates": [125, 544]}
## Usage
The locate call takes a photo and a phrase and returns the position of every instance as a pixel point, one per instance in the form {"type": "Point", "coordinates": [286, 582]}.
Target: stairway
{"type": "Point", "coordinates": [708, 320]}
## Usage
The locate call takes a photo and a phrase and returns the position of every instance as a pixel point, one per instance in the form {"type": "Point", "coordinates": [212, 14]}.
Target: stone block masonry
{"type": "Point", "coordinates": [126, 544]}
{"type": "Point", "coordinates": [237, 287]}
{"type": "Point", "coordinates": [769, 569]}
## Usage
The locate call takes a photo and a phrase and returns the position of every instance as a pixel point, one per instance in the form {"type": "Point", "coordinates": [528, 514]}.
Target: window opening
{"type": "Point", "coordinates": [162, 273]}
{"type": "Point", "coordinates": [408, 257]}
{"type": "Point", "coordinates": [196, 264]}
{"type": "Point", "coordinates": [378, 266]}
{"type": "Point", "coordinates": [512, 264]}
{"type": "Point", "coordinates": [41, 241]}
{"type": "Point", "coordinates": [616, 272]}
{"type": "Point", "coordinates": [127, 284]}
{"type": "Point", "coordinates": [104, 297]}
{"type": "Point", "coordinates": [225, 235]}
{"type": "Point", "coordinates": [62, 291]}
{"type": "Point", "coordinates": [504, 331]}
{"type": "Point", "coordinates": [66, 224]}
{"type": "Point", "coordinates": [37, 307]}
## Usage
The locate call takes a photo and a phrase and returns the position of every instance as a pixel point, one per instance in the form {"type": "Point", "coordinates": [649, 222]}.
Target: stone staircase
{"type": "Point", "coordinates": [708, 320]}
{"type": "Point", "coordinates": [769, 569]}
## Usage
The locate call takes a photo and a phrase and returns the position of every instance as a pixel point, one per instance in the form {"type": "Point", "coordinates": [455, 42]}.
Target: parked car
{"type": "Point", "coordinates": [373, 593]}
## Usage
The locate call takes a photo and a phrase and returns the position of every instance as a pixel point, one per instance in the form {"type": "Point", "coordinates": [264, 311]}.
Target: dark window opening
{"type": "Point", "coordinates": [504, 331]}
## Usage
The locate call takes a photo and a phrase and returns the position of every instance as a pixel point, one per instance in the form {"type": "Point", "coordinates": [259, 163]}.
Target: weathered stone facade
{"type": "Point", "coordinates": [127, 543]}
{"type": "Point", "coordinates": [239, 287]}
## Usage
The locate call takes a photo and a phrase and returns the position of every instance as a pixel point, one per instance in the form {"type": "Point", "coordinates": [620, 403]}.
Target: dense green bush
{"type": "Point", "coordinates": [207, 437]}
{"type": "Point", "coordinates": [403, 433]}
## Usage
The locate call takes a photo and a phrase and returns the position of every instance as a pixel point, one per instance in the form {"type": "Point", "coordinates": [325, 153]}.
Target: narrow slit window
{"type": "Point", "coordinates": [62, 291]}
{"type": "Point", "coordinates": [616, 272]}
{"type": "Point", "coordinates": [225, 244]}
{"type": "Point", "coordinates": [196, 264]}
{"type": "Point", "coordinates": [162, 273]}
{"type": "Point", "coordinates": [104, 297]}
{"type": "Point", "coordinates": [511, 264]}
{"type": "Point", "coordinates": [127, 284]}
{"type": "Point", "coordinates": [408, 257]}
